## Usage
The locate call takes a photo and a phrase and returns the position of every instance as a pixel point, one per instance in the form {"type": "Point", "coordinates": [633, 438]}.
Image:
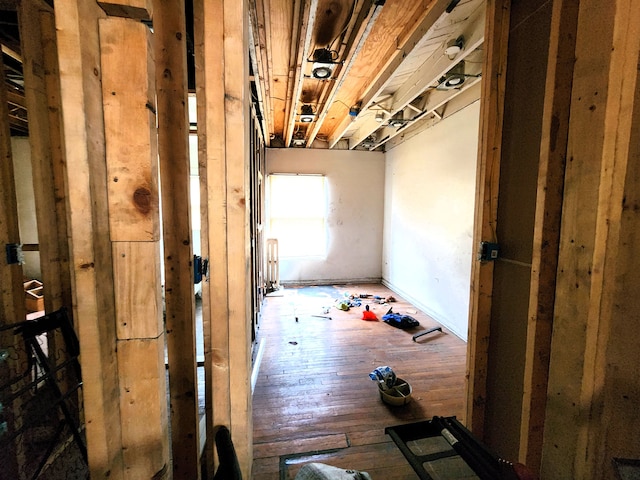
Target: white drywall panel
{"type": "Point", "coordinates": [428, 220]}
{"type": "Point", "coordinates": [21, 152]}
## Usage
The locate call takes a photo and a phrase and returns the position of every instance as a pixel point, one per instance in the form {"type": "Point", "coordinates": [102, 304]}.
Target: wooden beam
{"type": "Point", "coordinates": [237, 204]}
{"type": "Point", "coordinates": [608, 401]}
{"type": "Point", "coordinates": [208, 32]}
{"type": "Point", "coordinates": [44, 139]}
{"type": "Point", "coordinates": [451, 100]}
{"type": "Point", "coordinates": [546, 235]}
{"type": "Point", "coordinates": [90, 245]}
{"type": "Point", "coordinates": [143, 405]}
{"type": "Point", "coordinates": [306, 29]}
{"type": "Point", "coordinates": [428, 74]}
{"type": "Point", "coordinates": [359, 34]}
{"type": "Point", "coordinates": [128, 95]}
{"type": "Point", "coordinates": [258, 39]}
{"type": "Point", "coordinates": [393, 57]}
{"type": "Point", "coordinates": [134, 9]}
{"type": "Point", "coordinates": [487, 181]}
{"type": "Point", "coordinates": [138, 297]}
{"type": "Point", "coordinates": [173, 142]}
{"type": "Point", "coordinates": [223, 95]}
{"type": "Point", "coordinates": [133, 194]}
{"type": "Point", "coordinates": [295, 45]}
{"type": "Point", "coordinates": [591, 78]}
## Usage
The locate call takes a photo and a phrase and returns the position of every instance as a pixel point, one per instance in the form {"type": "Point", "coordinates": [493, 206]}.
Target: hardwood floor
{"type": "Point", "coordinates": [313, 398]}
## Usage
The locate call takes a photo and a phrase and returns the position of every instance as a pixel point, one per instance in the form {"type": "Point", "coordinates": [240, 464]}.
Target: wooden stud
{"type": "Point", "coordinates": [173, 139]}
{"type": "Point", "coordinates": [238, 240]}
{"type": "Point", "coordinates": [90, 246]}
{"type": "Point", "coordinates": [222, 127]}
{"type": "Point", "coordinates": [546, 233]}
{"type": "Point", "coordinates": [12, 308]}
{"type": "Point", "coordinates": [136, 266]}
{"type": "Point", "coordinates": [134, 9]}
{"type": "Point", "coordinates": [128, 92]}
{"type": "Point", "coordinates": [210, 108]}
{"type": "Point", "coordinates": [577, 239]}
{"type": "Point", "coordinates": [44, 139]}
{"type": "Point", "coordinates": [129, 103]}
{"type": "Point", "coordinates": [58, 161]}
{"type": "Point", "coordinates": [487, 182]}
{"type": "Point", "coordinates": [608, 399]}
{"type": "Point", "coordinates": [212, 151]}
{"type": "Point", "coordinates": [143, 406]}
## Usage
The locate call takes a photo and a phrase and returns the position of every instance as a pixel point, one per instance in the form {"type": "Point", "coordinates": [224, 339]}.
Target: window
{"type": "Point", "coordinates": [297, 211]}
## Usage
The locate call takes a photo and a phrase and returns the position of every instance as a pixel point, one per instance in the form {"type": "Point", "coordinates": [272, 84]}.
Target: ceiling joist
{"type": "Point", "coordinates": [427, 76]}
{"type": "Point", "coordinates": [260, 64]}
{"type": "Point", "coordinates": [317, 62]}
{"type": "Point", "coordinates": [438, 99]}
{"type": "Point", "coordinates": [306, 29]}
{"type": "Point", "coordinates": [364, 23]}
{"type": "Point", "coordinates": [395, 57]}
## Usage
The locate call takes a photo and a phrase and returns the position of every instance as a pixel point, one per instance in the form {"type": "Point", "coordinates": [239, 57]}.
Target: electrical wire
{"type": "Point", "coordinates": [346, 25]}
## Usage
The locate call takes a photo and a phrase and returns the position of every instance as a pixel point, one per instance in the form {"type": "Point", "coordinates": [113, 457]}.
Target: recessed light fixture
{"type": "Point", "coordinates": [306, 114]}
{"type": "Point", "coordinates": [398, 120]}
{"type": "Point", "coordinates": [298, 140]}
{"type": "Point", "coordinates": [380, 117]}
{"type": "Point", "coordinates": [323, 63]}
{"type": "Point", "coordinates": [454, 78]}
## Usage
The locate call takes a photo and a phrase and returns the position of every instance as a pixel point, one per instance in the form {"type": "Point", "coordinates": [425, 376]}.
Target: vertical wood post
{"type": "Point", "coordinates": [208, 33]}
{"type": "Point", "coordinates": [42, 101]}
{"type": "Point", "coordinates": [128, 95]}
{"type": "Point", "coordinates": [88, 223]}
{"type": "Point", "coordinates": [594, 44]}
{"type": "Point", "coordinates": [210, 111]}
{"type": "Point", "coordinates": [173, 139]}
{"type": "Point", "coordinates": [546, 235]}
{"type": "Point", "coordinates": [486, 210]}
{"type": "Point", "coordinates": [222, 82]}
{"type": "Point", "coordinates": [609, 394]}
{"type": "Point", "coordinates": [236, 78]}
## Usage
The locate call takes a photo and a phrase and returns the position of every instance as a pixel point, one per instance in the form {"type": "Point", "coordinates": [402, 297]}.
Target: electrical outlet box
{"type": "Point", "coordinates": [489, 251]}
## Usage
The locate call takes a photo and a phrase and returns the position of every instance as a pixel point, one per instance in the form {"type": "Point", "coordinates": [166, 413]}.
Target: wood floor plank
{"type": "Point", "coordinates": [314, 384]}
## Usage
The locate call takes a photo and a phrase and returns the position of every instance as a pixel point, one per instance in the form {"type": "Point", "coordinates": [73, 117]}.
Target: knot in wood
{"type": "Point", "coordinates": [142, 200]}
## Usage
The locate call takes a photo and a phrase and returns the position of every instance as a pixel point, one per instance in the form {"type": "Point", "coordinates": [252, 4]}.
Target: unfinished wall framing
{"type": "Point", "coordinates": [111, 150]}
{"type": "Point", "coordinates": [221, 32]}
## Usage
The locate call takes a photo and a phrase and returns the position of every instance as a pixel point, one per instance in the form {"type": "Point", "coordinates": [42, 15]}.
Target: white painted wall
{"type": "Point", "coordinates": [355, 182]}
{"type": "Point", "coordinates": [21, 152]}
{"type": "Point", "coordinates": [428, 226]}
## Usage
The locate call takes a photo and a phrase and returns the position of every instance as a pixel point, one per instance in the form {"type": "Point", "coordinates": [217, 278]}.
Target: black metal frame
{"type": "Point", "coordinates": [479, 458]}
{"type": "Point", "coordinates": [41, 371]}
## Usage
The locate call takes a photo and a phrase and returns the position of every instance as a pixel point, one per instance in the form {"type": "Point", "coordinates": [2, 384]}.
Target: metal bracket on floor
{"type": "Point", "coordinates": [431, 330]}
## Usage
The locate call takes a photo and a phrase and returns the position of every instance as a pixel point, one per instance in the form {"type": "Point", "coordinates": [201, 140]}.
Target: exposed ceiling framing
{"type": "Point", "coordinates": [392, 63]}
{"type": "Point", "coordinates": [388, 66]}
